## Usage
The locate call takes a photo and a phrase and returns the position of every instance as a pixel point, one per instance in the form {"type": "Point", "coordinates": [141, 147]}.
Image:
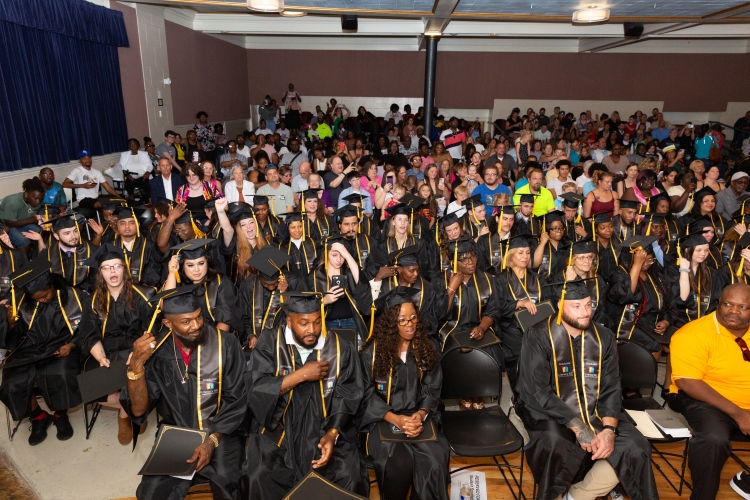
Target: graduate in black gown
{"type": "Point", "coordinates": [582, 267]}
{"type": "Point", "coordinates": [475, 220]}
{"type": "Point", "coordinates": [526, 223]}
{"type": "Point", "coordinates": [363, 248]}
{"type": "Point", "coordinates": [551, 255]}
{"type": "Point", "coordinates": [605, 241]}
{"type": "Point", "coordinates": [491, 247]}
{"type": "Point", "coordinates": [43, 350]}
{"type": "Point", "coordinates": [703, 203]}
{"type": "Point", "coordinates": [259, 295]}
{"type": "Point", "coordinates": [572, 207]}
{"type": "Point", "coordinates": [299, 246]}
{"type": "Point", "coordinates": [626, 222]}
{"type": "Point", "coordinates": [10, 261]}
{"type": "Point", "coordinates": [449, 228]}
{"type": "Point", "coordinates": [729, 244]}
{"type": "Point", "coordinates": [406, 267]}
{"type": "Point", "coordinates": [419, 226]}
{"type": "Point", "coordinates": [114, 317]}
{"type": "Point", "coordinates": [109, 206]}
{"type": "Point", "coordinates": [269, 225]}
{"type": "Point", "coordinates": [402, 381]}
{"type": "Point", "coordinates": [637, 305]}
{"type": "Point", "coordinates": [193, 374]}
{"type": "Point", "coordinates": [399, 235]}
{"type": "Point", "coordinates": [565, 361]}
{"type": "Point", "coordinates": [704, 226]}
{"type": "Point", "coordinates": [737, 270]}
{"type": "Point", "coordinates": [518, 287]}
{"type": "Point", "coordinates": [366, 224]}
{"type": "Point", "coordinates": [317, 225]}
{"type": "Point", "coordinates": [304, 389]}
{"type": "Point", "coordinates": [143, 265]}
{"type": "Point", "coordinates": [192, 265]}
{"type": "Point", "coordinates": [240, 237]}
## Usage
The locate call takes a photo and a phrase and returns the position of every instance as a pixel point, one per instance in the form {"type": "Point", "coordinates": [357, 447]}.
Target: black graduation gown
{"type": "Point", "coordinates": [530, 226]}
{"type": "Point", "coordinates": [144, 266]}
{"type": "Point", "coordinates": [357, 295]}
{"type": "Point", "coordinates": [686, 310]}
{"type": "Point", "coordinates": [302, 259]}
{"type": "Point", "coordinates": [427, 254]}
{"type": "Point", "coordinates": [260, 308]}
{"type": "Point", "coordinates": [510, 290]}
{"type": "Point", "coordinates": [554, 456]}
{"type": "Point", "coordinates": [108, 234]}
{"type": "Point", "coordinates": [717, 221]}
{"type": "Point", "coordinates": [606, 258]}
{"type": "Point", "coordinates": [214, 253]}
{"type": "Point", "coordinates": [40, 330]}
{"type": "Point", "coordinates": [596, 286]}
{"type": "Point", "coordinates": [274, 230]}
{"type": "Point", "coordinates": [420, 227]}
{"type": "Point", "coordinates": [71, 267]}
{"type": "Point", "coordinates": [623, 230]}
{"type": "Point", "coordinates": [490, 249]}
{"type": "Point", "coordinates": [321, 229]}
{"type": "Point", "coordinates": [177, 405]}
{"type": "Point", "coordinates": [728, 251]}
{"type": "Point", "coordinates": [633, 316]}
{"type": "Point", "coordinates": [119, 329]}
{"type": "Point", "coordinates": [405, 392]}
{"type": "Point", "coordinates": [365, 251]}
{"type": "Point", "coordinates": [271, 469]}
{"type": "Point", "coordinates": [220, 305]}
{"type": "Point", "coordinates": [10, 260]}
{"type": "Point", "coordinates": [554, 260]}
{"type": "Point", "coordinates": [729, 276]}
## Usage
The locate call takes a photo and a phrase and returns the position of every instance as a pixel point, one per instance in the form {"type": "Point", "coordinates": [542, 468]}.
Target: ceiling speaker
{"type": "Point", "coordinates": [633, 29]}
{"type": "Point", "coordinates": [349, 24]}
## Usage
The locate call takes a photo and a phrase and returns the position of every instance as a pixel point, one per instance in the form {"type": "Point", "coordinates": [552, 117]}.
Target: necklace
{"type": "Point", "coordinates": [183, 377]}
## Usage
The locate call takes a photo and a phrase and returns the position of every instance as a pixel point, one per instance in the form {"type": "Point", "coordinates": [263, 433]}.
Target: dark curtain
{"type": "Point", "coordinates": [60, 87]}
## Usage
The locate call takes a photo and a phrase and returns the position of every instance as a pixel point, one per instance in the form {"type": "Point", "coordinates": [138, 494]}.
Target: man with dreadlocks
{"type": "Point", "coordinates": [402, 381]}
{"type": "Point", "coordinates": [305, 387]}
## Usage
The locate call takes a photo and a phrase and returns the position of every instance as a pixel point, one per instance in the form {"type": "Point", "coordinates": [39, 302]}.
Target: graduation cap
{"type": "Point", "coordinates": [505, 209]}
{"type": "Point", "coordinates": [573, 200]}
{"type": "Point", "coordinates": [472, 201]}
{"type": "Point", "coordinates": [638, 242]}
{"type": "Point", "coordinates": [124, 213]}
{"type": "Point", "coordinates": [180, 300]}
{"type": "Point", "coordinates": [193, 249]}
{"type": "Point", "coordinates": [653, 218]}
{"type": "Point", "coordinates": [67, 221]}
{"type": "Point", "coordinates": [346, 211]}
{"type": "Point", "coordinates": [309, 193]}
{"type": "Point", "coordinates": [689, 241]}
{"type": "Point", "coordinates": [407, 256]}
{"type": "Point", "coordinates": [355, 198]}
{"type": "Point", "coordinates": [743, 242]}
{"type": "Point", "coordinates": [394, 297]}
{"type": "Point", "coordinates": [260, 200]}
{"type": "Point", "coordinates": [460, 246]}
{"type": "Point", "coordinates": [144, 215]}
{"type": "Point", "coordinates": [553, 216]}
{"type": "Point", "coordinates": [699, 225]}
{"type": "Point", "coordinates": [240, 214]}
{"type": "Point", "coordinates": [306, 303]}
{"type": "Point", "coordinates": [46, 211]}
{"type": "Point", "coordinates": [600, 218]}
{"type": "Point", "coordinates": [400, 209]}
{"type": "Point", "coordinates": [572, 290]}
{"type": "Point", "coordinates": [236, 205]}
{"type": "Point", "coordinates": [110, 202]}
{"type": "Point", "coordinates": [527, 198]}
{"type": "Point", "coordinates": [104, 253]}
{"type": "Point", "coordinates": [412, 201]}
{"type": "Point", "coordinates": [290, 217]}
{"type": "Point", "coordinates": [653, 201]}
{"type": "Point", "coordinates": [315, 486]}
{"type": "Point", "coordinates": [269, 261]}
{"type": "Point", "coordinates": [629, 204]}
{"type": "Point", "coordinates": [741, 218]}
{"type": "Point", "coordinates": [34, 277]}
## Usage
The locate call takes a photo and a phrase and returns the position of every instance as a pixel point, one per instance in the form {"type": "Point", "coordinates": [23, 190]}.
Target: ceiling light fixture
{"type": "Point", "coordinates": [433, 33]}
{"type": "Point", "coordinates": [293, 13]}
{"type": "Point", "coordinates": [591, 15]}
{"type": "Point", "coordinates": [266, 5]}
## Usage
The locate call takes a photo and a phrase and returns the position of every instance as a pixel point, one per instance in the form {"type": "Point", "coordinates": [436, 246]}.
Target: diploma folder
{"type": "Point", "coordinates": [314, 487]}
{"type": "Point", "coordinates": [463, 339]}
{"type": "Point", "coordinates": [528, 321]}
{"type": "Point", "coordinates": [102, 381]}
{"type": "Point", "coordinates": [172, 448]}
{"type": "Point", "coordinates": [670, 423]}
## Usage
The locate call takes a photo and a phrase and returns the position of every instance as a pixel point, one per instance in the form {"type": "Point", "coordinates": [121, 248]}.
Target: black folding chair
{"type": "Point", "coordinates": [479, 433]}
{"type": "Point", "coordinates": [738, 437]}
{"type": "Point", "coordinates": [638, 369]}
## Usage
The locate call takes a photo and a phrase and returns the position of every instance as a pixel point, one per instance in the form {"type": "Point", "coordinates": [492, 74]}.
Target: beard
{"type": "Point", "coordinates": [191, 343]}
{"type": "Point", "coordinates": [579, 323]}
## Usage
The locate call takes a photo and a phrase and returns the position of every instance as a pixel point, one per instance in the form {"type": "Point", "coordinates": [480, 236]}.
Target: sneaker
{"type": "Point", "coordinates": [64, 429]}
{"type": "Point", "coordinates": [39, 429]}
{"type": "Point", "coordinates": [741, 484]}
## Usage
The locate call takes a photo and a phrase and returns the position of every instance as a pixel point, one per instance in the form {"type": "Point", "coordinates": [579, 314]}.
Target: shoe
{"type": "Point", "coordinates": [39, 429]}
{"type": "Point", "coordinates": [64, 429]}
{"type": "Point", "coordinates": [124, 430]}
{"type": "Point", "coordinates": [741, 484]}
{"type": "Point", "coordinates": [143, 428]}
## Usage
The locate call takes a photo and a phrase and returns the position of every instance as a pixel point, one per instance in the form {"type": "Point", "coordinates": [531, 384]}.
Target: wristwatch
{"type": "Point", "coordinates": [613, 429]}
{"type": "Point", "coordinates": [135, 376]}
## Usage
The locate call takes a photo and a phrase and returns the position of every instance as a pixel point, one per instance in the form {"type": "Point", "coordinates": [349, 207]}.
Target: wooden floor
{"type": "Point", "coordinates": [12, 486]}
{"type": "Point", "coordinates": [497, 489]}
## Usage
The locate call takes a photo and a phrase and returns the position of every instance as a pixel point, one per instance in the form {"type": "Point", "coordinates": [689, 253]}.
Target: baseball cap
{"type": "Point", "coordinates": [83, 152]}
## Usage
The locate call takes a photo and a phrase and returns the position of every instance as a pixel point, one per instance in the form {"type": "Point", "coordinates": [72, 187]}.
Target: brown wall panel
{"type": "Point", "coordinates": [131, 75]}
{"type": "Point", "coordinates": [207, 74]}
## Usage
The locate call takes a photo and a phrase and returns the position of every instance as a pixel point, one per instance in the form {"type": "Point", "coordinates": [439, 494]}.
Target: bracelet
{"type": "Point", "coordinates": [334, 432]}
{"type": "Point", "coordinates": [135, 376]}
{"type": "Point", "coordinates": [684, 270]}
{"type": "Point", "coordinates": [214, 439]}
{"type": "Point", "coordinates": [451, 289]}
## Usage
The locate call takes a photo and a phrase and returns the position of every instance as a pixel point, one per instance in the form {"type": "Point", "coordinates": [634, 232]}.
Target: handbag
{"type": "Point", "coordinates": [714, 155]}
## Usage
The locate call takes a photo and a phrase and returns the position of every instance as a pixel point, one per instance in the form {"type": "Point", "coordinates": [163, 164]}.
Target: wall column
{"type": "Point", "coordinates": [430, 64]}
{"type": "Point", "coordinates": [153, 41]}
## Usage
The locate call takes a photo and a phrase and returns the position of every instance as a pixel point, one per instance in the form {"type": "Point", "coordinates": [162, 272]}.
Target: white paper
{"type": "Point", "coordinates": [644, 424]}
{"type": "Point", "coordinates": [675, 432]}
{"type": "Point", "coordinates": [186, 478]}
{"type": "Point", "coordinates": [475, 480]}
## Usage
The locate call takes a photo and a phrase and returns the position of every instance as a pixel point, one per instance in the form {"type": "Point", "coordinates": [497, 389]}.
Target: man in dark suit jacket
{"type": "Point", "coordinates": [157, 182]}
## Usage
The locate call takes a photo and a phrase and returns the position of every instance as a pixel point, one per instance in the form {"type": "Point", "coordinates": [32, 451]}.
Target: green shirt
{"type": "Point", "coordinates": [15, 209]}
{"type": "Point", "coordinates": [543, 204]}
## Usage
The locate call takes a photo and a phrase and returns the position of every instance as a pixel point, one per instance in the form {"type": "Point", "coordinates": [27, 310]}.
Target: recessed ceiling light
{"type": "Point", "coordinates": [266, 5]}
{"type": "Point", "coordinates": [293, 13]}
{"type": "Point", "coordinates": [591, 15]}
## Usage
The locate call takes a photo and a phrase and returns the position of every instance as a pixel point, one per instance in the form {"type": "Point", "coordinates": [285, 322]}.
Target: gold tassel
{"type": "Point", "coordinates": [562, 300]}
{"type": "Point", "coordinates": [323, 330]}
{"type": "Point", "coordinates": [455, 258]}
{"type": "Point", "coordinates": [304, 219]}
{"type": "Point", "coordinates": [137, 225]}
{"type": "Point", "coordinates": [372, 320]}
{"type": "Point", "coordinates": [739, 269]}
{"type": "Point", "coordinates": [505, 254]}
{"type": "Point", "coordinates": [177, 271]}
{"type": "Point", "coordinates": [13, 300]}
{"type": "Point", "coordinates": [570, 255]}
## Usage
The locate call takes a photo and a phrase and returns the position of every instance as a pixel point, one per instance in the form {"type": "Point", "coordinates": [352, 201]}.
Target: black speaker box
{"type": "Point", "coordinates": [633, 29]}
{"type": "Point", "coordinates": [349, 24]}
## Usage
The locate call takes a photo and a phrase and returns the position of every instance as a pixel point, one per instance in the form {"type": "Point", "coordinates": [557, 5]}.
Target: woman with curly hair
{"type": "Point", "coordinates": [402, 381]}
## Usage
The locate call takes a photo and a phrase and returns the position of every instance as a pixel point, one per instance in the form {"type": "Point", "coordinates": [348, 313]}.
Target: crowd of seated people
{"type": "Point", "coordinates": [319, 266]}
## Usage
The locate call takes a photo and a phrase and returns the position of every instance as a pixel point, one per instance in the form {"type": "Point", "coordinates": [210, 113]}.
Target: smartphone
{"type": "Point", "coordinates": [337, 280]}
{"type": "Point", "coordinates": [389, 181]}
{"type": "Point", "coordinates": [196, 157]}
{"type": "Point", "coordinates": [441, 183]}
{"type": "Point", "coordinates": [342, 145]}
{"type": "Point", "coordinates": [690, 126]}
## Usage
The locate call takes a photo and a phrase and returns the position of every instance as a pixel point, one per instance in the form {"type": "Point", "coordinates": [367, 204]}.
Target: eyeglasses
{"type": "Point", "coordinates": [557, 228]}
{"type": "Point", "coordinates": [117, 267]}
{"type": "Point", "coordinates": [741, 343]}
{"type": "Point", "coordinates": [468, 259]}
{"type": "Point", "coordinates": [412, 319]}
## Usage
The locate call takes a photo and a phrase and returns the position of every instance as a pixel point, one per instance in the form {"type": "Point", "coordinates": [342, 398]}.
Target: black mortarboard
{"type": "Point", "coordinates": [110, 202]}
{"type": "Point", "coordinates": [260, 200]}
{"type": "Point", "coordinates": [211, 202]}
{"type": "Point", "coordinates": [355, 198]}
{"type": "Point", "coordinates": [699, 225]}
{"type": "Point", "coordinates": [581, 247]}
{"type": "Point", "coordinates": [236, 205]}
{"type": "Point", "coordinates": [449, 219]}
{"type": "Point", "coordinates": [122, 213]}
{"type": "Point", "coordinates": [629, 204]}
{"type": "Point", "coordinates": [103, 253]}
{"type": "Point", "coordinates": [636, 241]}
{"type": "Point", "coordinates": [400, 209]}
{"type": "Point", "coordinates": [269, 261]}
{"type": "Point", "coordinates": [576, 290]}
{"type": "Point", "coordinates": [67, 221]}
{"type": "Point", "coordinates": [505, 209]}
{"type": "Point", "coordinates": [302, 302]}
{"type": "Point", "coordinates": [407, 256]}
{"type": "Point", "coordinates": [527, 198]}
{"type": "Point", "coordinates": [144, 215]}
{"type": "Point", "coordinates": [744, 241]}
{"type": "Point", "coordinates": [309, 193]}
{"type": "Point", "coordinates": [692, 240]}
{"type": "Point", "coordinates": [394, 297]}
{"type": "Point", "coordinates": [472, 201]}
{"type": "Point", "coordinates": [291, 217]}
{"type": "Point", "coordinates": [464, 244]}
{"type": "Point", "coordinates": [47, 211]}
{"type": "Point", "coordinates": [193, 249]}
{"type": "Point", "coordinates": [518, 241]}
{"type": "Point", "coordinates": [334, 238]}
{"type": "Point", "coordinates": [181, 300]}
{"type": "Point", "coordinates": [184, 218]}
{"type": "Point", "coordinates": [412, 201]}
{"type": "Point", "coordinates": [601, 218]}
{"type": "Point", "coordinates": [346, 211]}
{"type": "Point", "coordinates": [554, 216]}
{"type": "Point", "coordinates": [653, 218]}
{"type": "Point", "coordinates": [702, 193]}
{"type": "Point", "coordinates": [572, 200]}
{"type": "Point", "coordinates": [740, 218]}
{"type": "Point", "coordinates": [240, 213]}
{"type": "Point", "coordinates": [655, 199]}
{"type": "Point", "coordinates": [34, 277]}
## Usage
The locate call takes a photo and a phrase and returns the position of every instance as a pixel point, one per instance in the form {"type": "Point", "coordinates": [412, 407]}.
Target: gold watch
{"type": "Point", "coordinates": [135, 376]}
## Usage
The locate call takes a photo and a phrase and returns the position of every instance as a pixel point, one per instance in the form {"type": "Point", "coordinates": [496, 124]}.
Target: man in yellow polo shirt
{"type": "Point", "coordinates": [711, 388]}
{"type": "Point", "coordinates": [544, 202]}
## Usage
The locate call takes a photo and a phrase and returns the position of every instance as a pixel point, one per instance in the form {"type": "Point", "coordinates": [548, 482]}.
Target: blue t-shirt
{"type": "Point", "coordinates": [488, 195]}
{"type": "Point", "coordinates": [703, 147]}
{"type": "Point", "coordinates": [55, 195]}
{"type": "Point", "coordinates": [574, 157]}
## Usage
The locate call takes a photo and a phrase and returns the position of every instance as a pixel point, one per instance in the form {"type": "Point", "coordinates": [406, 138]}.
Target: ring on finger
{"type": "Point", "coordinates": [152, 345]}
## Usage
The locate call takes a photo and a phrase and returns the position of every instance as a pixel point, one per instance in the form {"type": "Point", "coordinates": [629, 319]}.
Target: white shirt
{"type": "Point", "coordinates": [297, 243]}
{"type": "Point", "coordinates": [304, 352]}
{"type": "Point", "coordinates": [167, 187]}
{"type": "Point", "coordinates": [556, 184]}
{"type": "Point", "coordinates": [80, 175]}
{"type": "Point", "coordinates": [137, 164]}
{"type": "Point", "coordinates": [244, 151]}
{"type": "Point", "coordinates": [599, 154]}
{"type": "Point", "coordinates": [678, 191]}
{"type": "Point", "coordinates": [263, 131]}
{"type": "Point", "coordinates": [396, 117]}
{"type": "Point", "coordinates": [582, 180]}
{"type": "Point", "coordinates": [232, 194]}
{"type": "Point", "coordinates": [454, 207]}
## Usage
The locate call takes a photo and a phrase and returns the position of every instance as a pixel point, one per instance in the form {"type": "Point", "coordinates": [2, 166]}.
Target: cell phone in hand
{"type": "Point", "coordinates": [389, 181]}
{"type": "Point", "coordinates": [337, 280]}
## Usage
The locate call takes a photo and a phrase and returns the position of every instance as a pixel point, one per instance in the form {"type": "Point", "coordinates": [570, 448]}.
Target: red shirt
{"type": "Point", "coordinates": [185, 355]}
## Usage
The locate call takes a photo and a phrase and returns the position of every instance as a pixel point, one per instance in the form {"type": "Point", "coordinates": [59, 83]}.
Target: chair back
{"type": "Point", "coordinates": [638, 367]}
{"type": "Point", "coordinates": [470, 374]}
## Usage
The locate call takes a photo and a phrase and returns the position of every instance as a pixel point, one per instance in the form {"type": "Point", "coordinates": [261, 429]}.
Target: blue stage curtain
{"type": "Point", "coordinates": [60, 87]}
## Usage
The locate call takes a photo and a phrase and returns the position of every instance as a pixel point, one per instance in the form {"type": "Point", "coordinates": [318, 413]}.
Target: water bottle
{"type": "Point", "coordinates": [466, 493]}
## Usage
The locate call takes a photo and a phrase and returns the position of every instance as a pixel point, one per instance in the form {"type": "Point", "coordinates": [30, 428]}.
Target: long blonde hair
{"type": "Point", "coordinates": [245, 250]}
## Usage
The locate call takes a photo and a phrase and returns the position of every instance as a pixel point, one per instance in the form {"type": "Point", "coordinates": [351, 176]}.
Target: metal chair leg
{"type": "Point", "coordinates": [7, 419]}
{"type": "Point", "coordinates": [96, 408]}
